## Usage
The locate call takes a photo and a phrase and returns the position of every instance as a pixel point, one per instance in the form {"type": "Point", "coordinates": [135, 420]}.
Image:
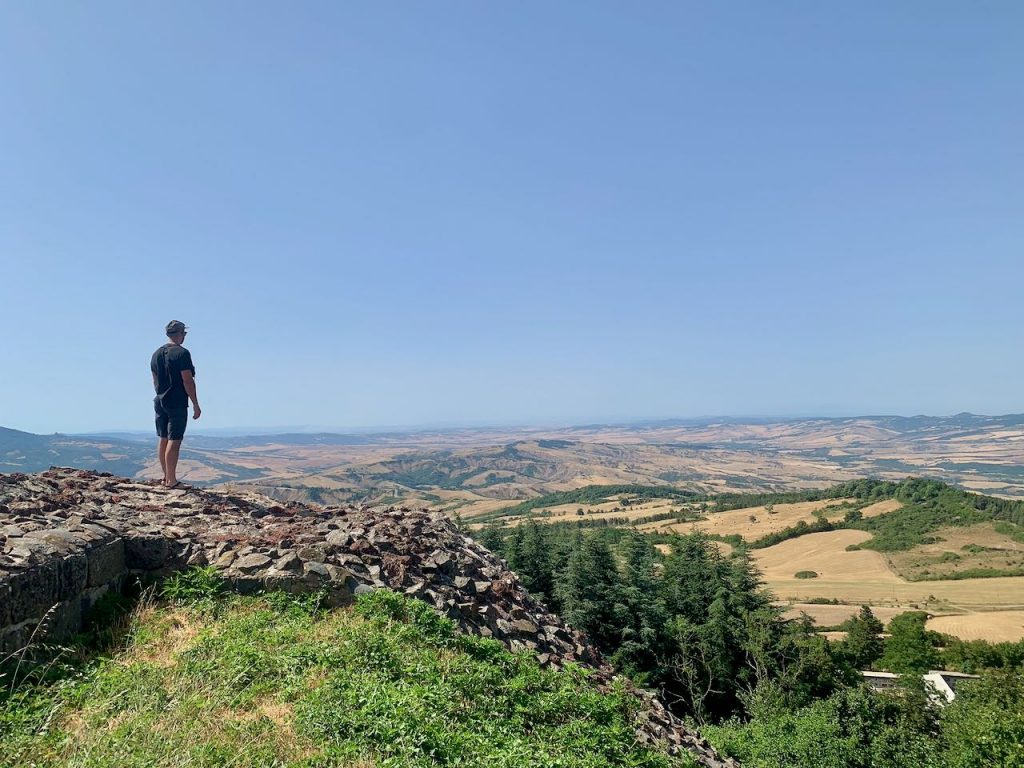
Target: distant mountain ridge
{"type": "Point", "coordinates": [462, 466]}
{"type": "Point", "coordinates": [27, 452]}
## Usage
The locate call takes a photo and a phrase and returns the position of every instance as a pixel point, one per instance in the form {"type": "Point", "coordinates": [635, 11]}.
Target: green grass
{"type": "Point", "coordinates": [216, 680]}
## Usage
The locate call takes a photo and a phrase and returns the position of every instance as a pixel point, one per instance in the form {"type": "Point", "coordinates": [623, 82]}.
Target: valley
{"type": "Point", "coordinates": [970, 577]}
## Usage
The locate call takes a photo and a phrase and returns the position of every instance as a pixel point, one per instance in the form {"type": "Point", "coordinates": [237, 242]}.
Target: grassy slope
{"type": "Point", "coordinates": [269, 682]}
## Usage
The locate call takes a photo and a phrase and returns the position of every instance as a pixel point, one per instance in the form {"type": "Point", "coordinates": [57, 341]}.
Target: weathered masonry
{"type": "Point", "coordinates": [68, 536]}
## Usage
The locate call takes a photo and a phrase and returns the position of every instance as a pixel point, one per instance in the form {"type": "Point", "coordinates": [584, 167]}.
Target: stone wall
{"type": "Point", "coordinates": [68, 536]}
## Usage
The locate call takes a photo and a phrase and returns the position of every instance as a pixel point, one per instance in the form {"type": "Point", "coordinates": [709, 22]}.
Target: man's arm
{"type": "Point", "coordinates": [190, 388]}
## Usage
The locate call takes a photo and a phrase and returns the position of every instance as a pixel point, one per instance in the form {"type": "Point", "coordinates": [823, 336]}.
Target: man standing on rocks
{"type": "Point", "coordinates": [175, 384]}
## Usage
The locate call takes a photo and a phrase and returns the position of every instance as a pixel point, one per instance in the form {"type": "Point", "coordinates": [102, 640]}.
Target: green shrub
{"type": "Point", "coordinates": [193, 586]}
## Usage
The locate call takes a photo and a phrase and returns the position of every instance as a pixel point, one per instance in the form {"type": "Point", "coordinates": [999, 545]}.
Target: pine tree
{"type": "Point", "coordinates": [863, 645]}
{"type": "Point", "coordinates": [513, 549]}
{"type": "Point", "coordinates": [691, 577]}
{"type": "Point", "coordinates": [535, 560]}
{"type": "Point", "coordinates": [643, 618]}
{"type": "Point", "coordinates": [491, 537]}
{"type": "Point", "coordinates": [589, 593]}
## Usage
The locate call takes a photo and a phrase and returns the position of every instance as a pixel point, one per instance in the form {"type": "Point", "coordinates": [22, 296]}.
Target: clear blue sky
{"type": "Point", "coordinates": [395, 213]}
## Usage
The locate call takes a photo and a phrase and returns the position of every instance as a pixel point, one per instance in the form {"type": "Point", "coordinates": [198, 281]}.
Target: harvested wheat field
{"type": "Point", "coordinates": [966, 594]}
{"type": "Point", "coordinates": [825, 554]}
{"type": "Point", "coordinates": [834, 615]}
{"type": "Point", "coordinates": [864, 577]}
{"type": "Point", "coordinates": [880, 508]}
{"type": "Point", "coordinates": [724, 548]}
{"type": "Point", "coordinates": [782, 516]}
{"type": "Point", "coordinates": [994, 626]}
{"type": "Point", "coordinates": [604, 511]}
{"type": "Point", "coordinates": [608, 509]}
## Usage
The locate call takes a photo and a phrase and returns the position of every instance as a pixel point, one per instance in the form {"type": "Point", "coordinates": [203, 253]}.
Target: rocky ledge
{"type": "Point", "coordinates": [67, 536]}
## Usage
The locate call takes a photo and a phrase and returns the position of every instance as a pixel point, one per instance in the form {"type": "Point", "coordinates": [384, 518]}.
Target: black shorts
{"type": "Point", "coordinates": [170, 422]}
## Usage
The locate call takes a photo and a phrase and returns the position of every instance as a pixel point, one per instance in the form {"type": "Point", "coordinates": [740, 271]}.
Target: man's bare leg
{"type": "Point", "coordinates": [161, 450]}
{"type": "Point", "coordinates": [171, 462]}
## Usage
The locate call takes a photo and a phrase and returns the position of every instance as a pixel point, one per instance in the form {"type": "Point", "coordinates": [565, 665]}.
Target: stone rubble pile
{"type": "Point", "coordinates": [68, 536]}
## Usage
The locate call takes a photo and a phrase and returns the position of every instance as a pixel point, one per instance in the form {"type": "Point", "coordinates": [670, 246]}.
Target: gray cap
{"type": "Point", "coordinates": [175, 327]}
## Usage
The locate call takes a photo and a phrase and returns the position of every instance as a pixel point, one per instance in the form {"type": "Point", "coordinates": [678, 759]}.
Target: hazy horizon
{"type": "Point", "coordinates": [257, 430]}
{"type": "Point", "coordinates": [523, 213]}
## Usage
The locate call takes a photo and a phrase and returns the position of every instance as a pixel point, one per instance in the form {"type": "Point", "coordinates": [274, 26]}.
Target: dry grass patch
{"type": "Point", "coordinates": [167, 634]}
{"type": "Point", "coordinates": [826, 554]}
{"type": "Point", "coordinates": [604, 511]}
{"type": "Point", "coordinates": [754, 522]}
{"type": "Point", "coordinates": [865, 577]}
{"type": "Point", "coordinates": [880, 508]}
{"type": "Point", "coordinates": [958, 550]}
{"type": "Point", "coordinates": [994, 626]}
{"type": "Point", "coordinates": [724, 548]}
{"type": "Point", "coordinates": [965, 594]}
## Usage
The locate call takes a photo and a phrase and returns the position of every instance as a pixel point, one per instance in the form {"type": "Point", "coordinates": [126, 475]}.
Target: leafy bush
{"type": "Point", "coordinates": [193, 586]}
{"type": "Point", "coordinates": [853, 728]}
{"type": "Point", "coordinates": [805, 575]}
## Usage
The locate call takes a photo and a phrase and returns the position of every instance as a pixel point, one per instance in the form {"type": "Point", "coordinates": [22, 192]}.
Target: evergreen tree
{"type": "Point", "coordinates": [863, 645]}
{"type": "Point", "coordinates": [513, 549]}
{"type": "Point", "coordinates": [643, 618]}
{"type": "Point", "coordinates": [706, 596]}
{"type": "Point", "coordinates": [535, 560]}
{"type": "Point", "coordinates": [492, 537]}
{"type": "Point", "coordinates": [691, 577]}
{"type": "Point", "coordinates": [590, 592]}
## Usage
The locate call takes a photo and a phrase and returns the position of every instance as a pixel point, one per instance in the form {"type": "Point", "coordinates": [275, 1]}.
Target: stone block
{"type": "Point", "coordinates": [145, 552]}
{"type": "Point", "coordinates": [244, 584]}
{"type": "Point", "coordinates": [225, 559]}
{"type": "Point", "coordinates": [251, 562]}
{"type": "Point", "coordinates": [315, 572]}
{"type": "Point", "coordinates": [289, 563]}
{"type": "Point", "coordinates": [72, 575]}
{"type": "Point", "coordinates": [313, 553]}
{"type": "Point", "coordinates": [60, 539]}
{"type": "Point", "coordinates": [62, 621]}
{"type": "Point", "coordinates": [342, 578]}
{"type": "Point", "coordinates": [33, 591]}
{"type": "Point", "coordinates": [338, 539]}
{"type": "Point", "coordinates": [195, 557]}
{"type": "Point", "coordinates": [337, 598]}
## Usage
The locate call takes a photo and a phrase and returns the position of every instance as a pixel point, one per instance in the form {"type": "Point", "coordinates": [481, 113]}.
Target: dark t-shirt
{"type": "Point", "coordinates": [167, 364]}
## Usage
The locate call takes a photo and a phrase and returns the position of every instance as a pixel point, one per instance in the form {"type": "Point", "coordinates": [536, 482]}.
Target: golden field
{"type": "Point", "coordinates": [989, 609]}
